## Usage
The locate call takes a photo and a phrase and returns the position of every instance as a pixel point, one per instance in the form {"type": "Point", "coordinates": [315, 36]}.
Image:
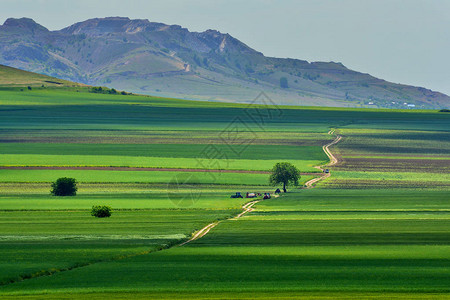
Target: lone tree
{"type": "Point", "coordinates": [64, 187]}
{"type": "Point", "coordinates": [285, 173]}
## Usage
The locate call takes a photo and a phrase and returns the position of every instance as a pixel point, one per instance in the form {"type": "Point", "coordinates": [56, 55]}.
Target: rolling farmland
{"type": "Point", "coordinates": [377, 227]}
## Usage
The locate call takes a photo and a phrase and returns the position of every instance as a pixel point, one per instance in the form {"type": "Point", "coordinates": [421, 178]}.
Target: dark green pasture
{"type": "Point", "coordinates": [296, 251]}
{"type": "Point", "coordinates": [377, 228]}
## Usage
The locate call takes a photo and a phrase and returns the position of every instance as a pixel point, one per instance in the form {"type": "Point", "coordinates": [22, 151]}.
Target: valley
{"type": "Point", "coordinates": [375, 228]}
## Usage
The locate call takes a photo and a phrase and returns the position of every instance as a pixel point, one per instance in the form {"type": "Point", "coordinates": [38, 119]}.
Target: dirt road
{"type": "Point", "coordinates": [331, 157]}
{"type": "Point", "coordinates": [248, 207]}
{"type": "Point", "coordinates": [202, 232]}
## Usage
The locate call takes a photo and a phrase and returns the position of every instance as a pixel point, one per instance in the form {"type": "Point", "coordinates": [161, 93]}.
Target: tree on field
{"type": "Point", "coordinates": [64, 187]}
{"type": "Point", "coordinates": [285, 173]}
{"type": "Point", "coordinates": [100, 211]}
{"type": "Point", "coordinates": [284, 83]}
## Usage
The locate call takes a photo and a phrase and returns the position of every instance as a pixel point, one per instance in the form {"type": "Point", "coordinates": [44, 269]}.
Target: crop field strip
{"type": "Point", "coordinates": [69, 247]}
{"type": "Point", "coordinates": [339, 239]}
{"type": "Point", "coordinates": [175, 156]}
{"type": "Point", "coordinates": [32, 204]}
{"type": "Point", "coordinates": [246, 209]}
{"type": "Point", "coordinates": [92, 176]}
{"type": "Point", "coordinates": [157, 137]}
{"type": "Point", "coordinates": [284, 251]}
{"type": "Point", "coordinates": [390, 159]}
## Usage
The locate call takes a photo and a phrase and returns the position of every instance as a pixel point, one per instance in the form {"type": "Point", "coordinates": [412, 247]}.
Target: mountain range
{"type": "Point", "coordinates": [168, 60]}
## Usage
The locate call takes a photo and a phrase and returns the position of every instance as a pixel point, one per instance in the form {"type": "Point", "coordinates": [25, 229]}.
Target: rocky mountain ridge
{"type": "Point", "coordinates": [168, 60]}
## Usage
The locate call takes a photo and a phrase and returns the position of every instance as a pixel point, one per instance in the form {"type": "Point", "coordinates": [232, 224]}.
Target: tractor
{"type": "Point", "coordinates": [237, 195]}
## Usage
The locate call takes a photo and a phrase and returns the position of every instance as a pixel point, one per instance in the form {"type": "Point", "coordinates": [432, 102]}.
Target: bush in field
{"type": "Point", "coordinates": [284, 173]}
{"type": "Point", "coordinates": [101, 211]}
{"type": "Point", "coordinates": [64, 187]}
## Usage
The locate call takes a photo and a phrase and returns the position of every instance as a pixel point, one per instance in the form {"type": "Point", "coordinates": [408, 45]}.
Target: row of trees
{"type": "Point", "coordinates": [103, 90]}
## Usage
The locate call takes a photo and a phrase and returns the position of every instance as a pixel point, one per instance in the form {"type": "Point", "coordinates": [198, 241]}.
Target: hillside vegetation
{"type": "Point", "coordinates": [10, 77]}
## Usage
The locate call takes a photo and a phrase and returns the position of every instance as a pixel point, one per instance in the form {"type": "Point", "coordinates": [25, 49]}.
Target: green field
{"type": "Point", "coordinates": [132, 176]}
{"type": "Point", "coordinates": [56, 240]}
{"type": "Point", "coordinates": [364, 250]}
{"type": "Point", "coordinates": [376, 228]}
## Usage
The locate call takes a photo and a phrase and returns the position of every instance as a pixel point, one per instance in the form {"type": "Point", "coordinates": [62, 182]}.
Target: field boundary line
{"type": "Point", "coordinates": [148, 169]}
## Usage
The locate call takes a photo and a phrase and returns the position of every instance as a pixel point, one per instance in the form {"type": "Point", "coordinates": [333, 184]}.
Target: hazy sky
{"type": "Point", "coordinates": [403, 41]}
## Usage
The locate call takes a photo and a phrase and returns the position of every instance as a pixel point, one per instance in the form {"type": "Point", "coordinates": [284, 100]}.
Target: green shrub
{"type": "Point", "coordinates": [64, 187]}
{"type": "Point", "coordinates": [96, 89]}
{"type": "Point", "coordinates": [101, 211]}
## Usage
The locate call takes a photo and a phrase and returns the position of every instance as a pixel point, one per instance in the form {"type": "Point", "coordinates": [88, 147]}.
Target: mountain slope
{"type": "Point", "coordinates": [168, 60]}
{"type": "Point", "coordinates": [14, 77]}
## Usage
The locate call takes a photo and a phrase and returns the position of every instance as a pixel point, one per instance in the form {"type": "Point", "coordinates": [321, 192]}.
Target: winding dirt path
{"type": "Point", "coordinates": [202, 232]}
{"type": "Point", "coordinates": [331, 157]}
{"type": "Point", "coordinates": [248, 207]}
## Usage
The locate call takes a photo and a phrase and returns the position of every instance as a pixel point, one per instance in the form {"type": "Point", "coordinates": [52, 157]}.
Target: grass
{"type": "Point", "coordinates": [410, 176]}
{"type": "Point", "coordinates": [268, 256]}
{"type": "Point", "coordinates": [383, 200]}
{"type": "Point", "coordinates": [48, 160]}
{"type": "Point", "coordinates": [346, 241]}
{"type": "Point", "coordinates": [392, 159]}
{"type": "Point", "coordinates": [11, 77]}
{"type": "Point", "coordinates": [33, 242]}
{"type": "Point", "coordinates": [149, 199]}
{"type": "Point", "coordinates": [168, 177]}
{"type": "Point", "coordinates": [239, 295]}
{"type": "Point", "coordinates": [368, 244]}
{"type": "Point", "coordinates": [253, 152]}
